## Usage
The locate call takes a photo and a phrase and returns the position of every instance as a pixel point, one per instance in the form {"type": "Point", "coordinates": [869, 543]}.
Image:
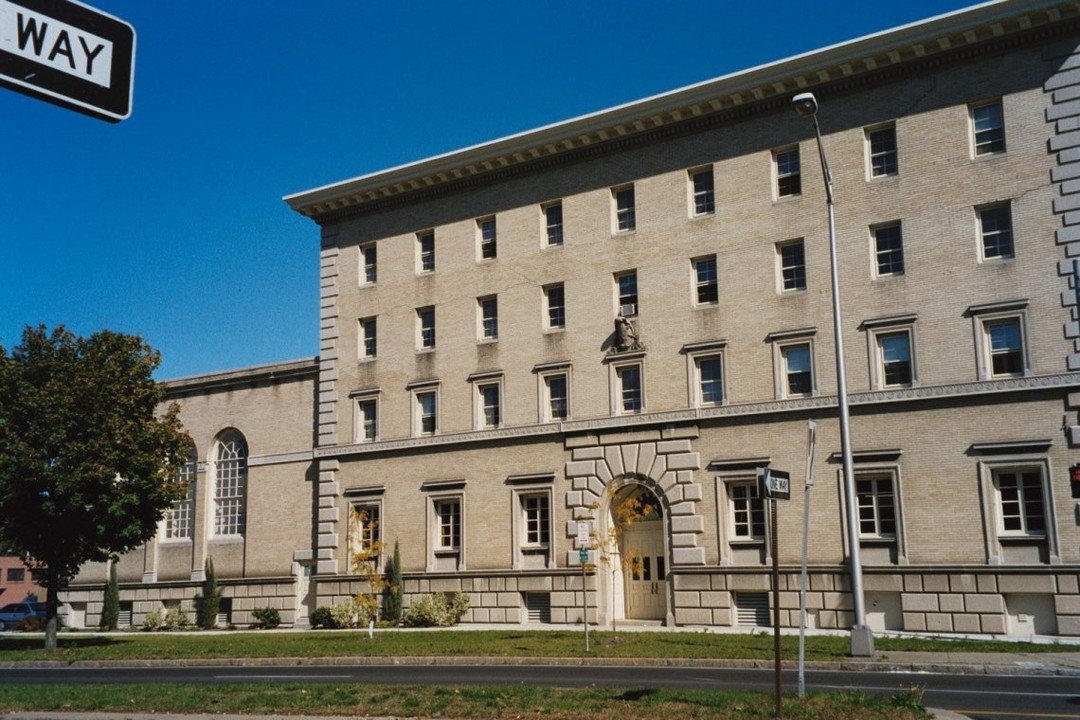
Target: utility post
{"type": "Point", "coordinates": [775, 485]}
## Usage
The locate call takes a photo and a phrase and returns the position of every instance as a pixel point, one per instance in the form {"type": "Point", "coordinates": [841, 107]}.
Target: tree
{"type": "Point", "coordinates": [628, 506]}
{"type": "Point", "coordinates": [208, 604]}
{"type": "Point", "coordinates": [87, 456]}
{"type": "Point", "coordinates": [392, 602]}
{"type": "Point", "coordinates": [110, 613]}
{"type": "Point", "coordinates": [365, 552]}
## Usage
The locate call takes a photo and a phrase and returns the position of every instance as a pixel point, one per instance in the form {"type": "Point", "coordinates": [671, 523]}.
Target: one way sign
{"type": "Point", "coordinates": [68, 54]}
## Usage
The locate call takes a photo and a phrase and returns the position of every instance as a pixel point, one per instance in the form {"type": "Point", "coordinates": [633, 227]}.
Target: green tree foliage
{"type": "Point", "coordinates": [88, 455]}
{"type": "Point", "coordinates": [208, 603]}
{"type": "Point", "coordinates": [110, 613]}
{"type": "Point", "coordinates": [393, 594]}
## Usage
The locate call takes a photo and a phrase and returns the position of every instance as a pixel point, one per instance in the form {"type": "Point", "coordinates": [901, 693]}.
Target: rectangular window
{"type": "Point", "coordinates": [988, 126]}
{"type": "Point", "coordinates": [798, 379]}
{"type": "Point", "coordinates": [1020, 493]}
{"type": "Point", "coordinates": [426, 412]}
{"type": "Point", "coordinates": [894, 356]}
{"type": "Point", "coordinates": [995, 229]}
{"type": "Point", "coordinates": [553, 223]}
{"type": "Point", "coordinates": [626, 287]}
{"type": "Point", "coordinates": [369, 264]}
{"type": "Point", "coordinates": [368, 338]}
{"type": "Point", "coordinates": [788, 173]}
{"type": "Point", "coordinates": [630, 387]}
{"type": "Point", "coordinates": [876, 507]}
{"type": "Point", "coordinates": [1006, 346]}
{"type": "Point", "coordinates": [888, 249]}
{"type": "Point", "coordinates": [489, 398]}
{"type": "Point", "coordinates": [792, 259]}
{"type": "Point", "coordinates": [881, 149]}
{"type": "Point", "coordinates": [425, 322]}
{"type": "Point", "coordinates": [710, 372]}
{"type": "Point", "coordinates": [448, 524]}
{"type": "Point", "coordinates": [536, 516]}
{"type": "Point", "coordinates": [704, 195]}
{"type": "Point", "coordinates": [488, 238]}
{"type": "Point", "coordinates": [16, 575]}
{"type": "Point", "coordinates": [557, 398]}
{"type": "Point", "coordinates": [425, 251]}
{"type": "Point", "coordinates": [364, 536]}
{"type": "Point", "coordinates": [747, 511]}
{"type": "Point", "coordinates": [555, 307]}
{"type": "Point", "coordinates": [488, 308]}
{"type": "Point", "coordinates": [625, 214]}
{"type": "Point", "coordinates": [367, 420]}
{"type": "Point", "coordinates": [707, 288]}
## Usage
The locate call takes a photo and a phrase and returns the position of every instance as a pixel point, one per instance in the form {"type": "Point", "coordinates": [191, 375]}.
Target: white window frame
{"type": "Point", "coordinates": [439, 493]}
{"type": "Point", "coordinates": [539, 488]}
{"type": "Point", "coordinates": [985, 149]}
{"type": "Point", "coordinates": [696, 353]}
{"type": "Point", "coordinates": [871, 154]}
{"type": "Point", "coordinates": [487, 239]}
{"type": "Point", "coordinates": [996, 535]}
{"type": "Point", "coordinates": [481, 388]}
{"type": "Point", "coordinates": [984, 234]}
{"type": "Point", "coordinates": [709, 285]}
{"type": "Point", "coordinates": [230, 489]}
{"type": "Point", "coordinates": [626, 308]}
{"type": "Point", "coordinates": [549, 308]}
{"type": "Point", "coordinates": [877, 254]}
{"type": "Point", "coordinates": [368, 347]}
{"type": "Point", "coordinates": [728, 539]}
{"type": "Point", "coordinates": [781, 343]}
{"type": "Point", "coordinates": [362, 400]}
{"type": "Point", "coordinates": [869, 469]}
{"type": "Point", "coordinates": [360, 534]}
{"type": "Point", "coordinates": [701, 200]}
{"type": "Point", "coordinates": [487, 318]}
{"type": "Point", "coordinates": [419, 392]}
{"type": "Point", "coordinates": [544, 374]}
{"type": "Point", "coordinates": [369, 264]}
{"type": "Point", "coordinates": [781, 278]}
{"type": "Point", "coordinates": [623, 213]}
{"type": "Point", "coordinates": [780, 175]}
{"type": "Point", "coordinates": [872, 501]}
{"type": "Point", "coordinates": [554, 232]}
{"type": "Point", "coordinates": [179, 520]}
{"type": "Point", "coordinates": [983, 316]}
{"type": "Point", "coordinates": [878, 328]}
{"type": "Point", "coordinates": [423, 332]}
{"type": "Point", "coordinates": [616, 372]}
{"type": "Point", "coordinates": [425, 256]}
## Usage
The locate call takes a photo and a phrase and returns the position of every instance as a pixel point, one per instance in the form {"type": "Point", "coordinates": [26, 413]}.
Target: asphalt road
{"type": "Point", "coordinates": [986, 697]}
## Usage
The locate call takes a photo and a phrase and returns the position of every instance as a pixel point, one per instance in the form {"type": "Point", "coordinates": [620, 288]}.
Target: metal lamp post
{"type": "Point", "coordinates": [862, 640]}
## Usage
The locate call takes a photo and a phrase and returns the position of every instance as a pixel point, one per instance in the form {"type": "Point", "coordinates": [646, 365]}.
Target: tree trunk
{"type": "Point", "coordinates": [52, 606]}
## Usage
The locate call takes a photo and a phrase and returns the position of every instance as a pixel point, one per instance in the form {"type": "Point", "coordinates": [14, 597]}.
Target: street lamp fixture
{"type": "Point", "coordinates": [862, 639]}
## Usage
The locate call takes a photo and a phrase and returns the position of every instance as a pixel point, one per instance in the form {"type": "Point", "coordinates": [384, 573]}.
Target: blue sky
{"type": "Point", "coordinates": [170, 224]}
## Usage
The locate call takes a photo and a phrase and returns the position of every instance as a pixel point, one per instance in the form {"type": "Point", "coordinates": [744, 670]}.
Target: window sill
{"type": "Point", "coordinates": [447, 552]}
{"type": "Point", "coordinates": [706, 306]}
{"type": "Point", "coordinates": [487, 341]}
{"type": "Point", "coordinates": [175, 541]}
{"type": "Point", "coordinates": [226, 539]}
{"type": "Point", "coordinates": [747, 542]}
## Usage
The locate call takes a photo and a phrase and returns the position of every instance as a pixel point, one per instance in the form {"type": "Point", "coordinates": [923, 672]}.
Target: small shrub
{"type": "Point", "coordinates": [437, 610]}
{"type": "Point", "coordinates": [392, 595]}
{"type": "Point", "coordinates": [346, 614]}
{"type": "Point", "coordinates": [322, 617]}
{"type": "Point", "coordinates": [32, 623]}
{"type": "Point", "coordinates": [110, 613]}
{"type": "Point", "coordinates": [175, 619]}
{"type": "Point", "coordinates": [208, 603]}
{"type": "Point", "coordinates": [154, 620]}
{"type": "Point", "coordinates": [266, 618]}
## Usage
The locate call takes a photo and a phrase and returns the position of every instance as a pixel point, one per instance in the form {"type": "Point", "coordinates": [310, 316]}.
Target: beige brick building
{"type": "Point", "coordinates": [517, 336]}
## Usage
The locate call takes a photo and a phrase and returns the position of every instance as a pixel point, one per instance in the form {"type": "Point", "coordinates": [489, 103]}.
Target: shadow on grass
{"type": "Point", "coordinates": [635, 695]}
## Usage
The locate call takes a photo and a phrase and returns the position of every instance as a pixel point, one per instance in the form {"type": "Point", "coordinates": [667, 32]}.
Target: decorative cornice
{"type": "Point", "coordinates": [779, 407]}
{"type": "Point", "coordinates": [911, 49]}
{"type": "Point", "coordinates": [245, 377]}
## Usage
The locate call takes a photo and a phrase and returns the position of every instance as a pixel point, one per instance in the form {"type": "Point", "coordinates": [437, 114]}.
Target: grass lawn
{"type": "Point", "coordinates": [481, 703]}
{"type": "Point", "coordinates": [471, 643]}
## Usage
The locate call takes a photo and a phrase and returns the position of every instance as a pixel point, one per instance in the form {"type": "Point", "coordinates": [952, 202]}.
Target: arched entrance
{"type": "Point", "coordinates": [638, 517]}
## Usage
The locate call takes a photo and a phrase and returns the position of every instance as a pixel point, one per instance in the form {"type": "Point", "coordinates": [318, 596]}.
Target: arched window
{"type": "Point", "coordinates": [179, 519]}
{"type": "Point", "coordinates": [230, 483]}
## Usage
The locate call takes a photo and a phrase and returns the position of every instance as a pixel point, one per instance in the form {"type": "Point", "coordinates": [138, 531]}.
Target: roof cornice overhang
{"type": "Point", "coordinates": [985, 28]}
{"type": "Point", "coordinates": [307, 368]}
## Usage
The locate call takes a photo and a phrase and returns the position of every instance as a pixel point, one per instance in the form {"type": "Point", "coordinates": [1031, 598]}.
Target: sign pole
{"type": "Point", "coordinates": [810, 444]}
{"type": "Point", "coordinates": [776, 605]}
{"type": "Point", "coordinates": [583, 558]}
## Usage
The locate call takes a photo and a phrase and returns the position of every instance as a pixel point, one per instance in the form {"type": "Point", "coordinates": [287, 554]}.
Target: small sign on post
{"type": "Point", "coordinates": [775, 484]}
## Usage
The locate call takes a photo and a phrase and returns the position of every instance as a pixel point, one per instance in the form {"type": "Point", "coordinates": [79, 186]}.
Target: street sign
{"type": "Point", "coordinates": [583, 556]}
{"type": "Point", "coordinates": [774, 484]}
{"type": "Point", "coordinates": [583, 534]}
{"type": "Point", "coordinates": [68, 54]}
